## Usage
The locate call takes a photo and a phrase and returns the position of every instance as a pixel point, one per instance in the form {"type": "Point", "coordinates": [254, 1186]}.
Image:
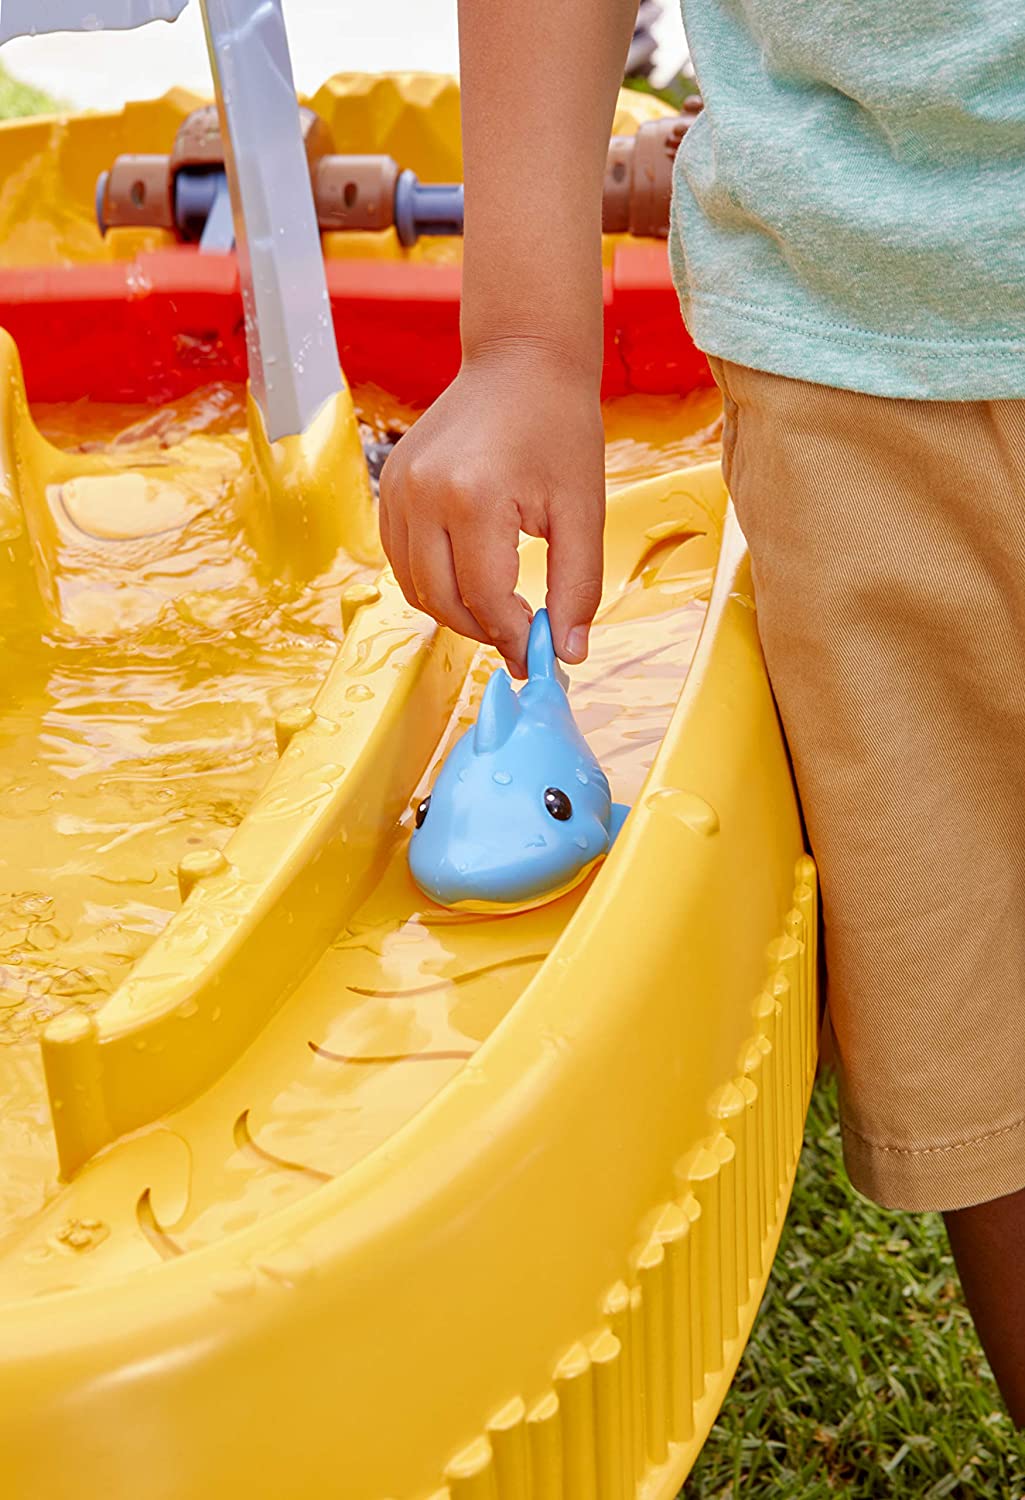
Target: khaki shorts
{"type": "Point", "coordinates": [887, 542]}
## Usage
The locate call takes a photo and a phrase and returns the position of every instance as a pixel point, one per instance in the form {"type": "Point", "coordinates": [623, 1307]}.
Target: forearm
{"type": "Point", "coordinates": [539, 84]}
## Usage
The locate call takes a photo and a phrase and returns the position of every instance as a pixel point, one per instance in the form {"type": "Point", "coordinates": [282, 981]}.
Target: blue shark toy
{"type": "Point", "coordinates": [521, 810]}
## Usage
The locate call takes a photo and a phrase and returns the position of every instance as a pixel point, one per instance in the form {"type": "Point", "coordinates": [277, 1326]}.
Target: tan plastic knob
{"type": "Point", "coordinates": [198, 142]}
{"type": "Point", "coordinates": [639, 177]}
{"type": "Point", "coordinates": [137, 194]}
{"type": "Point", "coordinates": [355, 192]}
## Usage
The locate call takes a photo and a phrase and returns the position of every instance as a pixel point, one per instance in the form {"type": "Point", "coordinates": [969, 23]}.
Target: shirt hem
{"type": "Point", "coordinates": [855, 359]}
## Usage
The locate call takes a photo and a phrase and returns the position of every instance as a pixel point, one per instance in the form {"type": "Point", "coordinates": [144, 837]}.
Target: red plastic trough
{"type": "Point", "coordinates": [154, 328]}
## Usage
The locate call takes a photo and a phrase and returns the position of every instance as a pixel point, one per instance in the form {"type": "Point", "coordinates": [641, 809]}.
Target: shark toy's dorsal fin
{"type": "Point", "coordinates": [542, 663]}
{"type": "Point", "coordinates": [499, 711]}
{"type": "Point", "coordinates": [540, 649]}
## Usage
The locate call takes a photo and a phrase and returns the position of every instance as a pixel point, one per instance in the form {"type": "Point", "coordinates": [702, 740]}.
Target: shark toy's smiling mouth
{"type": "Point", "coordinates": [520, 812]}
{"type": "Point", "coordinates": [468, 880]}
{"type": "Point", "coordinates": [524, 903]}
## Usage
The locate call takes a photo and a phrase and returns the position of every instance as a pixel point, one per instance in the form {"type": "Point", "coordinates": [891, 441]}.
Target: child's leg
{"type": "Point", "coordinates": [888, 552]}
{"type": "Point", "coordinates": [989, 1246]}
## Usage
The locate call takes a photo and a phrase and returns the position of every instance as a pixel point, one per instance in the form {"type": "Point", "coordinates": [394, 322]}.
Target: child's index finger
{"type": "Point", "coordinates": [487, 564]}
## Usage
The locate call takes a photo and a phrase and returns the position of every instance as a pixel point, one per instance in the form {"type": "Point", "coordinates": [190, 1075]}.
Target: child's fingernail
{"type": "Point", "coordinates": [576, 642]}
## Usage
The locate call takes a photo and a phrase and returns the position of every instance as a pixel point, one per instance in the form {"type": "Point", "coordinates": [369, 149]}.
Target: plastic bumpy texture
{"type": "Point", "coordinates": [521, 810]}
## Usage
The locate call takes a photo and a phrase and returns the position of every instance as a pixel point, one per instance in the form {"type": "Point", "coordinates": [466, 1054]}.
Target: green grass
{"type": "Point", "coordinates": [674, 92]}
{"type": "Point", "coordinates": [17, 99]}
{"type": "Point", "coordinates": [863, 1377]}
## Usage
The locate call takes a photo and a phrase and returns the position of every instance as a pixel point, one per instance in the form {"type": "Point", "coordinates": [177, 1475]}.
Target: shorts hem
{"type": "Point", "coordinates": [937, 1179]}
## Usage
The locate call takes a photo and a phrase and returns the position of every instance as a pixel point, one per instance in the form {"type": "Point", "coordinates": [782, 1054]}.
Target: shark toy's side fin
{"type": "Point", "coordinates": [542, 663]}
{"type": "Point", "coordinates": [499, 711]}
{"type": "Point", "coordinates": [618, 817]}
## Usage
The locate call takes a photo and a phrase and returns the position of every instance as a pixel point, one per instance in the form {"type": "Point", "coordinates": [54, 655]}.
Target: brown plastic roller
{"type": "Point", "coordinates": [355, 192]}
{"type": "Point", "coordinates": [359, 192]}
{"type": "Point", "coordinates": [137, 194]}
{"type": "Point", "coordinates": [198, 142]}
{"type": "Point", "coordinates": [639, 177]}
{"type": "Point", "coordinates": [138, 191]}
{"type": "Point", "coordinates": [615, 207]}
{"type": "Point", "coordinates": [652, 181]}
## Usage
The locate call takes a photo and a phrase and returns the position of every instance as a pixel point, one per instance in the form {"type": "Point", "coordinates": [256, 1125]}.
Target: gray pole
{"type": "Point", "coordinates": [293, 357]}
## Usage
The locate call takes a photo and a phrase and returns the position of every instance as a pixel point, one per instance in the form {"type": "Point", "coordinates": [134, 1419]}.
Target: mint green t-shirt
{"type": "Point", "coordinates": [850, 207]}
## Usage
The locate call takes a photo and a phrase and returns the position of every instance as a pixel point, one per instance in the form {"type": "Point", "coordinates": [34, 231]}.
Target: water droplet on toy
{"type": "Point", "coordinates": [502, 777]}
{"type": "Point", "coordinates": [581, 841]}
{"type": "Point", "coordinates": [359, 692]}
{"type": "Point", "coordinates": [582, 777]}
{"type": "Point", "coordinates": [462, 774]}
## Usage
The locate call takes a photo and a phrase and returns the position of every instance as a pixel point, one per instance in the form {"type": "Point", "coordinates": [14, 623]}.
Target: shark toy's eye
{"type": "Point", "coordinates": [421, 812]}
{"type": "Point", "coordinates": [558, 804]}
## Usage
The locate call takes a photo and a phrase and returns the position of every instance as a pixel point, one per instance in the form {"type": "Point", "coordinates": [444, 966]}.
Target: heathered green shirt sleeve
{"type": "Point", "coordinates": [850, 207]}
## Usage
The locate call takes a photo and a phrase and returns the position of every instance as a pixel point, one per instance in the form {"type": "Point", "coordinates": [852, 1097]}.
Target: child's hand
{"type": "Point", "coordinates": [515, 444]}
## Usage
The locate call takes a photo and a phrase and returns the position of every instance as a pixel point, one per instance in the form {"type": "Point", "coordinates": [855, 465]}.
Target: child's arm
{"type": "Point", "coordinates": [516, 441]}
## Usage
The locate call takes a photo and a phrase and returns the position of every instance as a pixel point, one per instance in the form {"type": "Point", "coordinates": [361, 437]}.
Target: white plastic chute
{"type": "Point", "coordinates": [40, 17]}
